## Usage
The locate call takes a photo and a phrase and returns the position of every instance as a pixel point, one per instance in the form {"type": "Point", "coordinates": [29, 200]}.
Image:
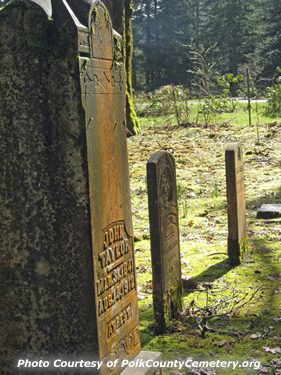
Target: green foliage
{"type": "Point", "coordinates": [253, 91]}
{"type": "Point", "coordinates": [203, 71]}
{"type": "Point", "coordinates": [205, 85]}
{"type": "Point", "coordinates": [182, 200]}
{"type": "Point", "coordinates": [180, 191]}
{"type": "Point", "coordinates": [226, 81]}
{"type": "Point", "coordinates": [223, 103]}
{"type": "Point", "coordinates": [273, 94]}
{"type": "Point", "coordinates": [216, 191]}
{"type": "Point", "coordinates": [219, 104]}
{"type": "Point", "coordinates": [160, 102]}
{"type": "Point", "coordinates": [168, 100]}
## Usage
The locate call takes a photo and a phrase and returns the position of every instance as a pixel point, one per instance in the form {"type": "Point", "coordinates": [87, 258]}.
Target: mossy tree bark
{"type": "Point", "coordinates": [121, 14]}
{"type": "Point", "coordinates": [131, 117]}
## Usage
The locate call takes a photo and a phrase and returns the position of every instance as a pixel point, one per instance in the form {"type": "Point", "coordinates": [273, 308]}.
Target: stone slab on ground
{"type": "Point", "coordinates": [269, 211]}
{"type": "Point", "coordinates": [144, 356]}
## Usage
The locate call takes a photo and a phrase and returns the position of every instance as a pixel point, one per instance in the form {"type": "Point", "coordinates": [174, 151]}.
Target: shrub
{"type": "Point", "coordinates": [273, 94]}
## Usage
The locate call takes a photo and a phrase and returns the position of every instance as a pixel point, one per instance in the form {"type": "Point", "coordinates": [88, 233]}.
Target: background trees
{"type": "Point", "coordinates": [271, 50]}
{"type": "Point", "coordinates": [162, 33]}
{"type": "Point", "coordinates": [243, 33]}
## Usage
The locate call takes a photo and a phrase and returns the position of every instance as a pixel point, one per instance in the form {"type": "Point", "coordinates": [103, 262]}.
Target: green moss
{"type": "Point", "coordinates": [132, 121]}
{"type": "Point", "coordinates": [238, 252]}
{"type": "Point", "coordinates": [177, 298]}
{"type": "Point", "coordinates": [82, 63]}
{"type": "Point", "coordinates": [118, 55]}
{"type": "Point", "coordinates": [117, 44]}
{"type": "Point", "coordinates": [173, 301]}
{"type": "Point", "coordinates": [54, 42]}
{"type": "Point", "coordinates": [95, 14]}
{"type": "Point", "coordinates": [45, 40]}
{"type": "Point", "coordinates": [244, 248]}
{"type": "Point", "coordinates": [108, 20]}
{"type": "Point", "coordinates": [133, 125]}
{"type": "Point", "coordinates": [93, 20]}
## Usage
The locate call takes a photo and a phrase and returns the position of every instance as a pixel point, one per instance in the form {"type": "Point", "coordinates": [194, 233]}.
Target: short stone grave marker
{"type": "Point", "coordinates": [236, 208]}
{"type": "Point", "coordinates": [269, 211]}
{"type": "Point", "coordinates": [164, 237]}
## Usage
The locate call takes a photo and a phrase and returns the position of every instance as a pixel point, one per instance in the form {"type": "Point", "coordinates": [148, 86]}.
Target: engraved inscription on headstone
{"type": "Point", "coordinates": [164, 234]}
{"type": "Point", "coordinates": [103, 95]}
{"type": "Point", "coordinates": [236, 208]}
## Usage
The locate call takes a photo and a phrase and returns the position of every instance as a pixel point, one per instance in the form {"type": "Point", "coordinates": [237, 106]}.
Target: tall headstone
{"type": "Point", "coordinates": [164, 237]}
{"type": "Point", "coordinates": [67, 273]}
{"type": "Point", "coordinates": [236, 207]}
{"type": "Point", "coordinates": [103, 95]}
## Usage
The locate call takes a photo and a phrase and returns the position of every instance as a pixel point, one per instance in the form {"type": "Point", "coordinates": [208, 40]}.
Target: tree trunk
{"type": "Point", "coordinates": [197, 24]}
{"type": "Point", "coordinates": [148, 74]}
{"type": "Point", "coordinates": [133, 125]}
{"type": "Point", "coordinates": [121, 14]}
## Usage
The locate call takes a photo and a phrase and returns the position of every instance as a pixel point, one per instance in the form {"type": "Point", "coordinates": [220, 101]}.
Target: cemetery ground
{"type": "Point", "coordinates": [243, 302]}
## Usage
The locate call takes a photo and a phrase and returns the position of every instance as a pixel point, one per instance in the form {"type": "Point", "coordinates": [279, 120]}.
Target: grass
{"type": "Point", "coordinates": [200, 166]}
{"type": "Point", "coordinates": [239, 116]}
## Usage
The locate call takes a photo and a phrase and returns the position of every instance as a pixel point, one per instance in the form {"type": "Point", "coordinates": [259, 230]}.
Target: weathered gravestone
{"type": "Point", "coordinates": [68, 283]}
{"type": "Point", "coordinates": [164, 237]}
{"type": "Point", "coordinates": [269, 211]}
{"type": "Point", "coordinates": [236, 207]}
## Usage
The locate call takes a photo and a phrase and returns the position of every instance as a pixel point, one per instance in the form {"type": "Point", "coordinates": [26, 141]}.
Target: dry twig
{"type": "Point", "coordinates": [216, 306]}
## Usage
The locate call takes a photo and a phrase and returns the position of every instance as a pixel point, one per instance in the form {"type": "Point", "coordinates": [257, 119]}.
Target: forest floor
{"type": "Point", "coordinates": [251, 333]}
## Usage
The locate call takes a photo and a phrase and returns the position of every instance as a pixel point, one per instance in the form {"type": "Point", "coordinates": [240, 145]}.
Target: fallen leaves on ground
{"type": "Point", "coordinates": [273, 350]}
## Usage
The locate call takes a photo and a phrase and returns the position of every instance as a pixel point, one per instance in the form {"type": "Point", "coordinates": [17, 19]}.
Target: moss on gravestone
{"type": "Point", "coordinates": [236, 258]}
{"type": "Point", "coordinates": [45, 38]}
{"type": "Point", "coordinates": [173, 302]}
